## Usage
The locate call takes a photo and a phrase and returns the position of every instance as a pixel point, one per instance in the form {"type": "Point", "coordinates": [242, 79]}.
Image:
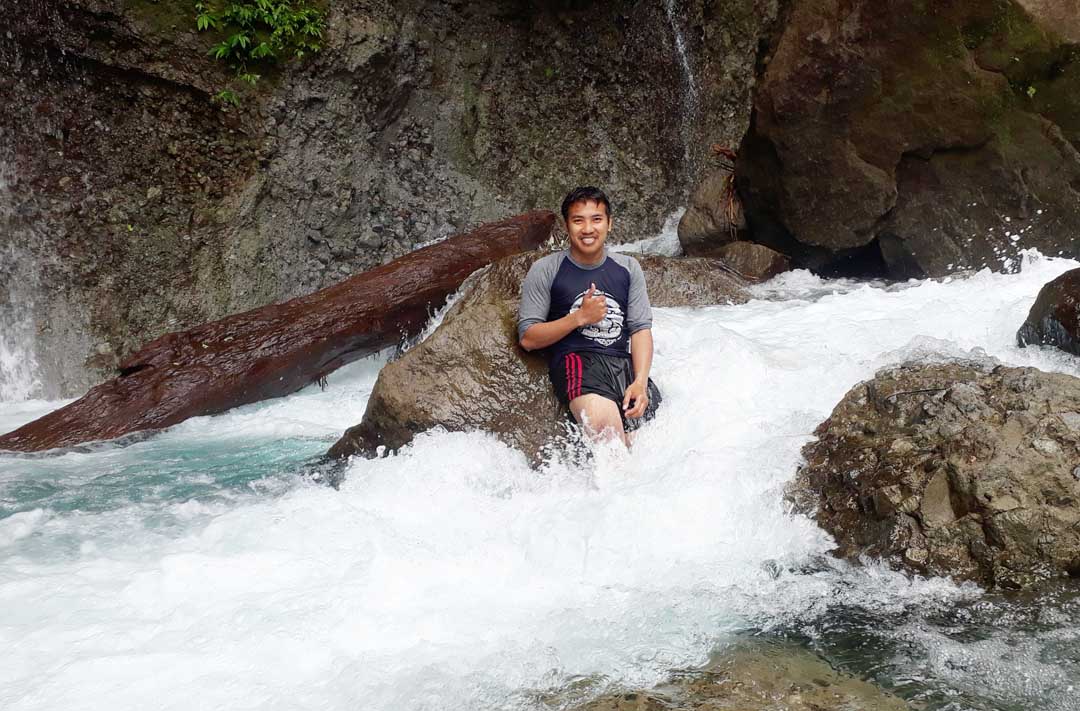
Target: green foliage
{"type": "Point", "coordinates": [258, 33]}
{"type": "Point", "coordinates": [227, 96]}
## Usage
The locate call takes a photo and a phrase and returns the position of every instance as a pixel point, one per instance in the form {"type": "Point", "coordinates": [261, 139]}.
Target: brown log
{"type": "Point", "coordinates": [277, 349]}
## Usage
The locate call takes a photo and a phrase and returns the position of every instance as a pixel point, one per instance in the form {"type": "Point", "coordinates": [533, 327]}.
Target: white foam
{"type": "Point", "coordinates": [665, 244]}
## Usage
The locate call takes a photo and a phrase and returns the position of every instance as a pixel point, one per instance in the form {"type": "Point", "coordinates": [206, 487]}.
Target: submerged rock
{"type": "Point", "coordinates": [1054, 319]}
{"type": "Point", "coordinates": [955, 469]}
{"type": "Point", "coordinates": [470, 374]}
{"type": "Point", "coordinates": [277, 349]}
{"type": "Point", "coordinates": [758, 677]}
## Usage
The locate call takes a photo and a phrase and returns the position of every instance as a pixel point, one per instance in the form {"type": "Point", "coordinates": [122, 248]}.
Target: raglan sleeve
{"type": "Point", "coordinates": [638, 309]}
{"type": "Point", "coordinates": [535, 297]}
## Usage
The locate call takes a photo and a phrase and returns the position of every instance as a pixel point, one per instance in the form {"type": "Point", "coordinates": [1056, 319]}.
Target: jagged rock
{"type": "Point", "coordinates": [713, 218]}
{"type": "Point", "coordinates": [912, 140]}
{"type": "Point", "coordinates": [755, 262]}
{"type": "Point", "coordinates": [758, 677]}
{"type": "Point", "coordinates": [277, 349]}
{"type": "Point", "coordinates": [959, 469]}
{"type": "Point", "coordinates": [1054, 319]}
{"type": "Point", "coordinates": [470, 374]}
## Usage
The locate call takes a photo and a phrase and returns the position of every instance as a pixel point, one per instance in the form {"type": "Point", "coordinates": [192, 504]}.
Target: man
{"type": "Point", "coordinates": [590, 310]}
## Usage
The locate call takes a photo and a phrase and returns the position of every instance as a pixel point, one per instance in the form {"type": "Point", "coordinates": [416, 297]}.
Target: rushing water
{"type": "Point", "coordinates": [18, 283]}
{"type": "Point", "coordinates": [197, 569]}
{"type": "Point", "coordinates": [689, 94]}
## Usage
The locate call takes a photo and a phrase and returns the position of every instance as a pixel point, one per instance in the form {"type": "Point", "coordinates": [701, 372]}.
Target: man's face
{"type": "Point", "coordinates": [588, 224]}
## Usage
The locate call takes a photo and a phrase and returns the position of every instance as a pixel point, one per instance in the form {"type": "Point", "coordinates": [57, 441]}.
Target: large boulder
{"type": "Point", "coordinates": [913, 139]}
{"type": "Point", "coordinates": [1054, 319]}
{"type": "Point", "coordinates": [470, 374]}
{"type": "Point", "coordinates": [755, 262]}
{"type": "Point", "coordinates": [960, 469]}
{"type": "Point", "coordinates": [278, 349]}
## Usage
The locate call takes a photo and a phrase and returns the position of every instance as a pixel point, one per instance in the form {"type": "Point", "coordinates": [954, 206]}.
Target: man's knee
{"type": "Point", "coordinates": [597, 414]}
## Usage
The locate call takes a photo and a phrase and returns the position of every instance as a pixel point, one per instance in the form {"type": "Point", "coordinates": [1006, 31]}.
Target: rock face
{"type": "Point", "coordinates": [132, 205]}
{"type": "Point", "coordinates": [758, 677]}
{"type": "Point", "coordinates": [953, 469]}
{"type": "Point", "coordinates": [470, 374]}
{"type": "Point", "coordinates": [1054, 319]}
{"type": "Point", "coordinates": [278, 349]}
{"type": "Point", "coordinates": [911, 139]}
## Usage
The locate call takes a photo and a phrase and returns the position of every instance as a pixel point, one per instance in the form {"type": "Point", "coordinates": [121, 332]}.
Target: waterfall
{"type": "Point", "coordinates": [19, 378]}
{"type": "Point", "coordinates": [689, 94]}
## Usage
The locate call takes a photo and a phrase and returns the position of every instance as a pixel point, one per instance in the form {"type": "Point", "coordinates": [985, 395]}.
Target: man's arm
{"type": "Point", "coordinates": [541, 335]}
{"type": "Point", "coordinates": [641, 351]}
{"type": "Point", "coordinates": [639, 321]}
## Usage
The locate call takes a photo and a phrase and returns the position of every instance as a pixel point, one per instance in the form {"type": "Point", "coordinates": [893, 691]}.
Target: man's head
{"type": "Point", "coordinates": [587, 212]}
{"type": "Point", "coordinates": [585, 194]}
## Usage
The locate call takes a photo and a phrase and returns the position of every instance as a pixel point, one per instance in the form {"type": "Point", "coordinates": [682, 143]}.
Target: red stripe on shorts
{"type": "Point", "coordinates": [580, 368]}
{"type": "Point", "coordinates": [568, 363]}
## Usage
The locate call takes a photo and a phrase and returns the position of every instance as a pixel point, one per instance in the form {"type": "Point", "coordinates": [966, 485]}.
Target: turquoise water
{"type": "Point", "coordinates": [155, 472]}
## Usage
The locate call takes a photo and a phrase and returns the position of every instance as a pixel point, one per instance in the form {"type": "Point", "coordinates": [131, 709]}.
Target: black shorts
{"type": "Point", "coordinates": [585, 372]}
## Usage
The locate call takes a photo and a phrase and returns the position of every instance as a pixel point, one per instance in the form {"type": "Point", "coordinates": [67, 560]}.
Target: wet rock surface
{"type": "Point", "coordinates": [911, 140]}
{"type": "Point", "coordinates": [470, 374]}
{"type": "Point", "coordinates": [138, 206]}
{"type": "Point", "coordinates": [961, 469]}
{"type": "Point", "coordinates": [758, 677]}
{"type": "Point", "coordinates": [277, 349]}
{"type": "Point", "coordinates": [714, 217]}
{"type": "Point", "coordinates": [1054, 319]}
{"type": "Point", "coordinates": [755, 262]}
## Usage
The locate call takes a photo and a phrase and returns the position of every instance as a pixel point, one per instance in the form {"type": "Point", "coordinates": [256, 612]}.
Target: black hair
{"type": "Point", "coordinates": [585, 194]}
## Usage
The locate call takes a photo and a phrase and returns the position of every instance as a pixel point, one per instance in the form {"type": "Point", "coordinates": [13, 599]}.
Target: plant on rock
{"type": "Point", "coordinates": [259, 32]}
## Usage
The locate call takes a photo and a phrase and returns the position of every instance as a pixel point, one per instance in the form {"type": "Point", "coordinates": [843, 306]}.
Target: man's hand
{"type": "Point", "coordinates": [637, 393]}
{"type": "Point", "coordinates": [593, 307]}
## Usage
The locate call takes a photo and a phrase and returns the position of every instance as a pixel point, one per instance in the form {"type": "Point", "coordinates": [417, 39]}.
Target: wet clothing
{"type": "Point", "coordinates": [555, 286]}
{"type": "Point", "coordinates": [596, 373]}
{"type": "Point", "coordinates": [594, 358]}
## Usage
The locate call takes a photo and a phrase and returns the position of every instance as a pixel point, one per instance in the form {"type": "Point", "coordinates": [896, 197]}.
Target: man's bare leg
{"type": "Point", "coordinates": [599, 416]}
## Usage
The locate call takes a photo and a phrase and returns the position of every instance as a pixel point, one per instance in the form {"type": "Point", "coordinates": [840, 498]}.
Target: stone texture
{"type": "Point", "coordinates": [754, 262]}
{"type": "Point", "coordinates": [958, 469]}
{"type": "Point", "coordinates": [1061, 17]}
{"type": "Point", "coordinates": [470, 374]}
{"type": "Point", "coordinates": [131, 205]}
{"type": "Point", "coordinates": [758, 677]}
{"type": "Point", "coordinates": [1054, 319]}
{"type": "Point", "coordinates": [278, 349]}
{"type": "Point", "coordinates": [910, 139]}
{"type": "Point", "coordinates": [714, 216]}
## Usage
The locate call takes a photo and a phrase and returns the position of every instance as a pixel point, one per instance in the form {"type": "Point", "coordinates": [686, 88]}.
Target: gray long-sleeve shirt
{"type": "Point", "coordinates": [555, 286]}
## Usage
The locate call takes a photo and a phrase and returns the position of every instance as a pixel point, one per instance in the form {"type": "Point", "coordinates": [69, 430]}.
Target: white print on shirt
{"type": "Point", "coordinates": [608, 330]}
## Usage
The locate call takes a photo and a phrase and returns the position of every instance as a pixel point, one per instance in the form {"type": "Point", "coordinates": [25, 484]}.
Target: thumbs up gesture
{"type": "Point", "coordinates": [593, 307]}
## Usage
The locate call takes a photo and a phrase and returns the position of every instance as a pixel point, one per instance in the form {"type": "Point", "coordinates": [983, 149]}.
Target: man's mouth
{"type": "Point", "coordinates": [588, 241]}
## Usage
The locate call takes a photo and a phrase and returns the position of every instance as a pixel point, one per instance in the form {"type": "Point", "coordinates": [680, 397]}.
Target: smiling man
{"type": "Point", "coordinates": [590, 309]}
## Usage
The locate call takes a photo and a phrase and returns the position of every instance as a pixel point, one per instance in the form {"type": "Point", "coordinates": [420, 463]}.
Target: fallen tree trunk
{"type": "Point", "coordinates": [277, 349]}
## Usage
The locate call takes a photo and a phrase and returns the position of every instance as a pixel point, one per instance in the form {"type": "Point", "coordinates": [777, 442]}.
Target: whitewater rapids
{"type": "Point", "coordinates": [198, 570]}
